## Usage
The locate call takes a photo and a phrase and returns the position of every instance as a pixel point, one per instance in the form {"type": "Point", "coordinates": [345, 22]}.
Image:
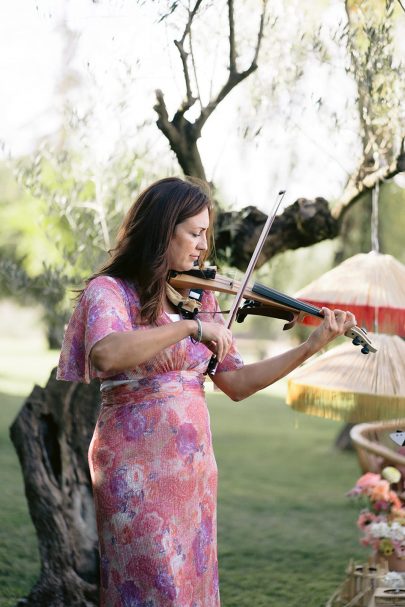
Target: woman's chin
{"type": "Point", "coordinates": [185, 267]}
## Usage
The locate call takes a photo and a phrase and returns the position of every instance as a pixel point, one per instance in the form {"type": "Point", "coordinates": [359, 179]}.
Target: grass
{"type": "Point", "coordinates": [19, 561]}
{"type": "Point", "coordinates": [24, 360]}
{"type": "Point", "coordinates": [285, 529]}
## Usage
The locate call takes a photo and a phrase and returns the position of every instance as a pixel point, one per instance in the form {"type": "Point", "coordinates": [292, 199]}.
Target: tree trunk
{"type": "Point", "coordinates": [343, 442]}
{"type": "Point", "coordinates": [51, 435]}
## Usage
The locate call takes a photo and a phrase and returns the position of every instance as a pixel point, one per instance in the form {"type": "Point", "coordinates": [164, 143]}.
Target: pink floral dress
{"type": "Point", "coordinates": [152, 464]}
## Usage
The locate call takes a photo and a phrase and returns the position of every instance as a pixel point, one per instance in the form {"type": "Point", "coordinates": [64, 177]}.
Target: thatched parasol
{"type": "Point", "coordinates": [370, 285]}
{"type": "Point", "coordinates": [344, 386]}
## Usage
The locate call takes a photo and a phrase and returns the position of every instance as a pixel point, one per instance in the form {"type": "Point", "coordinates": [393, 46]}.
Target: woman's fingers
{"type": "Point", "coordinates": [218, 338]}
{"type": "Point", "coordinates": [340, 317]}
{"type": "Point", "coordinates": [338, 321]}
{"type": "Point", "coordinates": [224, 343]}
{"type": "Point", "coordinates": [350, 321]}
{"type": "Point", "coordinates": [335, 323]}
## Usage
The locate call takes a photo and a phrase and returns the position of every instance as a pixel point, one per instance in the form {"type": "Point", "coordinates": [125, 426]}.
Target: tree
{"type": "Point", "coordinates": [379, 79]}
{"type": "Point", "coordinates": [53, 456]}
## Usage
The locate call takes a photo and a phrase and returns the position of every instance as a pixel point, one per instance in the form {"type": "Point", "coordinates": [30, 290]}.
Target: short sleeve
{"type": "Point", "coordinates": [102, 309]}
{"type": "Point", "coordinates": [233, 359]}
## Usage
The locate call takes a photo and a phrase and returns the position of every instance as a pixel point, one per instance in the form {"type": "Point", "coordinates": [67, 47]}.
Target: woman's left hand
{"type": "Point", "coordinates": [335, 323]}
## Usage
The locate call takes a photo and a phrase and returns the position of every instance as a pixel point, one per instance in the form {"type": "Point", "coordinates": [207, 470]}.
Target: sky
{"type": "Point", "coordinates": [109, 36]}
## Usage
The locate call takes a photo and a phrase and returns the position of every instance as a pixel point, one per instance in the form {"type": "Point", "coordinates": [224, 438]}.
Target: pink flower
{"type": "Point", "coordinates": [380, 491]}
{"type": "Point", "coordinates": [368, 480]}
{"type": "Point", "coordinates": [365, 518]}
{"type": "Point", "coordinates": [399, 550]}
{"type": "Point", "coordinates": [365, 484]}
{"type": "Point", "coordinates": [394, 499]}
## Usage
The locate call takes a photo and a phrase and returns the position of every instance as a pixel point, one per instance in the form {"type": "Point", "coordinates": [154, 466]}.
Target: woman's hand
{"type": "Point", "coordinates": [217, 338]}
{"type": "Point", "coordinates": [335, 323]}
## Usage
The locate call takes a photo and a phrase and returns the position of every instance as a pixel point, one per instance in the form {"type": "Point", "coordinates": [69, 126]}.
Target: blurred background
{"type": "Point", "coordinates": [102, 97]}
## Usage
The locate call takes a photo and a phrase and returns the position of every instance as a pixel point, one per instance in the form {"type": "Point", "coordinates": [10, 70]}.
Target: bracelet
{"type": "Point", "coordinates": [197, 340]}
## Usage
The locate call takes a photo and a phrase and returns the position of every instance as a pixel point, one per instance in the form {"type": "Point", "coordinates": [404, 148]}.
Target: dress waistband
{"type": "Point", "coordinates": [154, 387]}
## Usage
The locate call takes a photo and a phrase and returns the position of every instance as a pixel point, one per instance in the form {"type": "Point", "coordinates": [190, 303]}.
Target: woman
{"type": "Point", "coordinates": [153, 469]}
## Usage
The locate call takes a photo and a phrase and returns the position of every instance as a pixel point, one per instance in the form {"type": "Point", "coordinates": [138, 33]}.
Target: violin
{"type": "Point", "coordinates": [261, 300]}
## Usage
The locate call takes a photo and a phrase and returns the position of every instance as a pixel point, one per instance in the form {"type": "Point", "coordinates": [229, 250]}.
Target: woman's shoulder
{"type": "Point", "coordinates": [107, 283]}
{"type": "Point", "coordinates": [102, 282]}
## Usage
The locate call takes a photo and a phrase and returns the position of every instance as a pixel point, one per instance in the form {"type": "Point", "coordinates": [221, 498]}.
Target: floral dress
{"type": "Point", "coordinates": [152, 465]}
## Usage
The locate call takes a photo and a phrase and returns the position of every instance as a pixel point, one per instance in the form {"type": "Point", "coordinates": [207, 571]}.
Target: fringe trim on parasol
{"type": "Point", "coordinates": [344, 384]}
{"type": "Point", "coordinates": [344, 406]}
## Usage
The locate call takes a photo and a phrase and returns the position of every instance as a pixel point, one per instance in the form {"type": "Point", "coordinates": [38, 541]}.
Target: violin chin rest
{"type": "Point", "coordinates": [289, 325]}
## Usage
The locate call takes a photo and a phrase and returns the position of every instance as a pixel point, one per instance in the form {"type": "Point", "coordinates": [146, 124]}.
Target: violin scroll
{"type": "Point", "coordinates": [359, 338]}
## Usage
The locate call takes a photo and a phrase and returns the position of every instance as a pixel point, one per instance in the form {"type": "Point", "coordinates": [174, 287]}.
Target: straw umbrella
{"type": "Point", "coordinates": [344, 386]}
{"type": "Point", "coordinates": [371, 285]}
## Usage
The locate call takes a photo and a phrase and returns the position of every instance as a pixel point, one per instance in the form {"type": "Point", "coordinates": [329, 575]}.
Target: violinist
{"type": "Point", "coordinates": [151, 459]}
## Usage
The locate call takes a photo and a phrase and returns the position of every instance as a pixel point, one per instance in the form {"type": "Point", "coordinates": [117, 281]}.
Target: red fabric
{"type": "Point", "coordinates": [390, 320]}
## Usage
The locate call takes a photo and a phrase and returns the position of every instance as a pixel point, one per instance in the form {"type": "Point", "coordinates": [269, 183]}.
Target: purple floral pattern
{"type": "Point", "coordinates": [152, 464]}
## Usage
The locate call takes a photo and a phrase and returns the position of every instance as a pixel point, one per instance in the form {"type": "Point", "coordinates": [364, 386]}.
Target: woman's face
{"type": "Point", "coordinates": [188, 242]}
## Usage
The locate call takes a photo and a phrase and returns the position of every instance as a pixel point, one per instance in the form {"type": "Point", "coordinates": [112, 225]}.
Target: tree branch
{"type": "Point", "coordinates": [232, 49]}
{"type": "Point", "coordinates": [190, 99]}
{"type": "Point", "coordinates": [163, 121]}
{"type": "Point", "coordinates": [234, 77]}
{"type": "Point", "coordinates": [260, 32]}
{"type": "Point", "coordinates": [368, 183]}
{"type": "Point", "coordinates": [193, 63]}
{"type": "Point", "coordinates": [180, 132]}
{"type": "Point", "coordinates": [303, 223]}
{"type": "Point", "coordinates": [181, 137]}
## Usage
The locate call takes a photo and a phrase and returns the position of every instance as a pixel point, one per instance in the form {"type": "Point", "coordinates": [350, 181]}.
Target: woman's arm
{"type": "Point", "coordinates": [247, 380]}
{"type": "Point", "coordinates": [125, 350]}
{"type": "Point", "coordinates": [119, 351]}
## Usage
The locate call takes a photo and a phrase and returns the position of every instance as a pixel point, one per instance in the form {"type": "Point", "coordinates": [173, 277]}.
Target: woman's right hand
{"type": "Point", "coordinates": [217, 338]}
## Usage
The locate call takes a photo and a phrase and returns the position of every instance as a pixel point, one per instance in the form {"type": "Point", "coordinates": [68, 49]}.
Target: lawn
{"type": "Point", "coordinates": [286, 530]}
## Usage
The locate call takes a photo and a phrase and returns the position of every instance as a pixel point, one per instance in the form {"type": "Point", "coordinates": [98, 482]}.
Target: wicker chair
{"type": "Point", "coordinates": [375, 449]}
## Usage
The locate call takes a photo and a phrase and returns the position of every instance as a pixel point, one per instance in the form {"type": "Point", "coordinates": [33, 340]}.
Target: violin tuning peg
{"type": "Point", "coordinates": [356, 341]}
{"type": "Point", "coordinates": [365, 350]}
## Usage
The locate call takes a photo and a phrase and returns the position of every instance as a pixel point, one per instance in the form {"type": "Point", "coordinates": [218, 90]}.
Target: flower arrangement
{"type": "Point", "coordinates": [382, 522]}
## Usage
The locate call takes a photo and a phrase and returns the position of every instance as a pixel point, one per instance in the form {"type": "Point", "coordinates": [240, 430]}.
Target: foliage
{"type": "Point", "coordinates": [340, 69]}
{"type": "Point", "coordinates": [380, 78]}
{"type": "Point", "coordinates": [74, 194]}
{"type": "Point", "coordinates": [76, 202]}
{"type": "Point", "coordinates": [355, 235]}
{"type": "Point", "coordinates": [47, 288]}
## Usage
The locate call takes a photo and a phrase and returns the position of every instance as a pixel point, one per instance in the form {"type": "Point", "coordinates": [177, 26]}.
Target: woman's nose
{"type": "Point", "coordinates": [202, 243]}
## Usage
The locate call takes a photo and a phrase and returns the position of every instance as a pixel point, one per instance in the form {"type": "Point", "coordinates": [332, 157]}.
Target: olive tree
{"type": "Point", "coordinates": [53, 430]}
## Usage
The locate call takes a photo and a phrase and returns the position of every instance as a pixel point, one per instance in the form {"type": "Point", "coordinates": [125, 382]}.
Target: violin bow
{"type": "Point", "coordinates": [252, 264]}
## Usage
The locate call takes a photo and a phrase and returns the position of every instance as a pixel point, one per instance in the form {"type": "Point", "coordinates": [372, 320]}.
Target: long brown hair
{"type": "Point", "coordinates": [140, 254]}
